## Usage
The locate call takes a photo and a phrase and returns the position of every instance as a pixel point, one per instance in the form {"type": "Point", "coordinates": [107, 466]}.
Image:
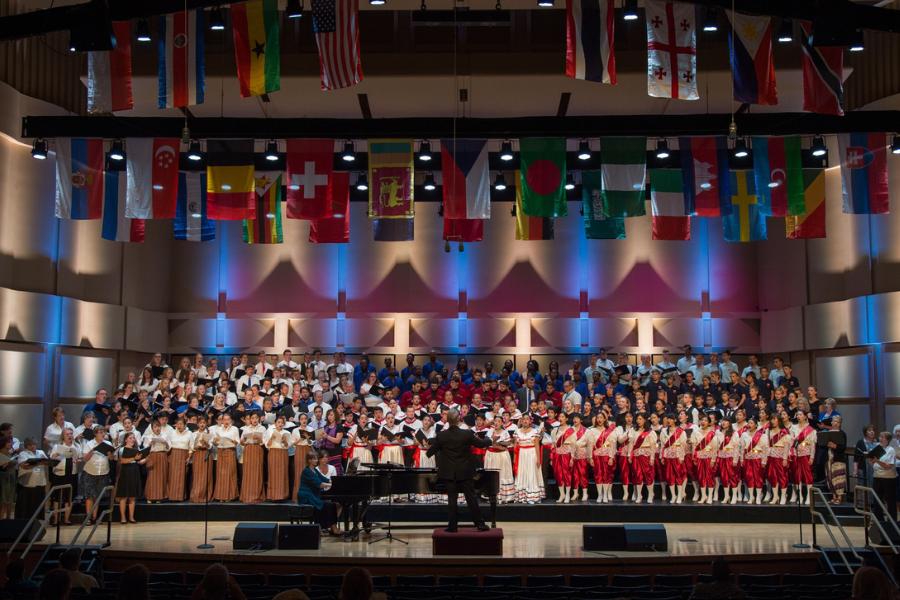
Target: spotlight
{"type": "Point", "coordinates": [858, 42]}
{"type": "Point", "coordinates": [584, 150]}
{"type": "Point", "coordinates": [710, 20]}
{"type": "Point", "coordinates": [500, 182]}
{"type": "Point", "coordinates": [39, 149]}
{"type": "Point", "coordinates": [818, 146]}
{"type": "Point", "coordinates": [506, 152]}
{"type": "Point", "coordinates": [196, 215]}
{"type": "Point", "coordinates": [786, 31]}
{"type": "Point", "coordinates": [294, 9]}
{"type": "Point", "coordinates": [429, 182]}
{"type": "Point", "coordinates": [895, 145]}
{"type": "Point", "coordinates": [570, 182]}
{"type": "Point", "coordinates": [447, 246]}
{"type": "Point", "coordinates": [461, 247]}
{"type": "Point", "coordinates": [349, 153]}
{"type": "Point", "coordinates": [662, 149]}
{"type": "Point", "coordinates": [630, 10]}
{"type": "Point", "coordinates": [117, 151]}
{"type": "Point", "coordinates": [376, 2]}
{"type": "Point", "coordinates": [545, 3]}
{"type": "Point", "coordinates": [272, 150]}
{"type": "Point", "coordinates": [740, 148]}
{"type": "Point", "coordinates": [425, 151]}
{"type": "Point", "coordinates": [194, 151]}
{"type": "Point", "coordinates": [270, 215]}
{"type": "Point", "coordinates": [216, 19]}
{"type": "Point", "coordinates": [362, 182]}
{"type": "Point", "coordinates": [143, 31]}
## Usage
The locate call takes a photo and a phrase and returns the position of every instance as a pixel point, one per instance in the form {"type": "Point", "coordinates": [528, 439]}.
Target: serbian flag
{"type": "Point", "coordinates": [530, 228]}
{"type": "Point", "coordinates": [256, 47]}
{"type": "Point", "coordinates": [704, 173]}
{"type": "Point", "coordinates": [336, 228]}
{"type": "Point", "coordinates": [230, 188]}
{"type": "Point", "coordinates": [671, 50]}
{"type": "Point", "coordinates": [79, 178]}
{"type": "Point", "coordinates": [265, 226]}
{"type": "Point", "coordinates": [152, 166]}
{"type": "Point", "coordinates": [192, 223]}
{"type": "Point", "coordinates": [590, 27]}
{"type": "Point", "coordinates": [116, 226]}
{"type": "Point", "coordinates": [394, 230]}
{"type": "Point", "coordinates": [109, 74]}
{"type": "Point", "coordinates": [463, 230]}
{"type": "Point", "coordinates": [467, 180]}
{"type": "Point", "coordinates": [309, 168]}
{"type": "Point", "coordinates": [667, 204]}
{"type": "Point", "coordinates": [751, 59]}
{"type": "Point", "coordinates": [864, 173]}
{"type": "Point", "coordinates": [823, 76]}
{"type": "Point", "coordinates": [812, 224]}
{"type": "Point", "coordinates": [745, 223]}
{"type": "Point", "coordinates": [391, 179]}
{"type": "Point", "coordinates": [181, 76]}
{"type": "Point", "coordinates": [778, 171]}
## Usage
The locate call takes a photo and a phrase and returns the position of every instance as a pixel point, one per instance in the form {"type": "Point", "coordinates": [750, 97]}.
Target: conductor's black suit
{"type": "Point", "coordinates": [456, 466]}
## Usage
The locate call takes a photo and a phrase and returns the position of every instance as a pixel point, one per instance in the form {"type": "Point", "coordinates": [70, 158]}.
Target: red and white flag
{"type": "Point", "coordinates": [671, 50]}
{"type": "Point", "coordinates": [109, 74]}
{"type": "Point", "coordinates": [309, 169]}
{"type": "Point", "coordinates": [182, 78]}
{"type": "Point", "coordinates": [823, 75]}
{"type": "Point", "coordinates": [336, 23]}
{"type": "Point", "coordinates": [152, 166]}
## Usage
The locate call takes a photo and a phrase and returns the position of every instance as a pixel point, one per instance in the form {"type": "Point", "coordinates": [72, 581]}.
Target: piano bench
{"type": "Point", "coordinates": [298, 513]}
{"type": "Point", "coordinates": [489, 543]}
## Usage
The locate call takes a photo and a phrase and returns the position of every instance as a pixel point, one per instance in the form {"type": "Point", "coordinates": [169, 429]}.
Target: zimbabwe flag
{"type": "Point", "coordinates": [530, 228]}
{"type": "Point", "coordinates": [265, 228]}
{"type": "Point", "coordinates": [256, 47]}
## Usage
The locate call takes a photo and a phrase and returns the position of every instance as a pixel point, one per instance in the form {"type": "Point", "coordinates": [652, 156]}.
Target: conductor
{"type": "Point", "coordinates": [456, 466]}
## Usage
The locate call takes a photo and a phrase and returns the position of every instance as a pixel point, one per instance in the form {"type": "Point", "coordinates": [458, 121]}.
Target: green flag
{"type": "Point", "coordinates": [597, 226]}
{"type": "Point", "coordinates": [544, 177]}
{"type": "Point", "coordinates": [624, 168]}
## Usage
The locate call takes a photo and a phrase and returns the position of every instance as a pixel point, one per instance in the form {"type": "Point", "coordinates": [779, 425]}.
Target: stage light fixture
{"type": "Point", "coordinates": [39, 149]}
{"type": "Point", "coordinates": [786, 31]}
{"type": "Point", "coordinates": [349, 153]}
{"type": "Point", "coordinates": [193, 152]}
{"type": "Point", "coordinates": [294, 9]}
{"type": "Point", "coordinates": [630, 10]}
{"type": "Point", "coordinates": [570, 182]}
{"type": "Point", "coordinates": [584, 150]}
{"type": "Point", "coordinates": [376, 2]}
{"type": "Point", "coordinates": [818, 146]}
{"type": "Point", "coordinates": [662, 149]}
{"type": "Point", "coordinates": [425, 151]}
{"type": "Point", "coordinates": [500, 182]}
{"type": "Point", "coordinates": [740, 148]}
{"type": "Point", "coordinates": [117, 151]}
{"type": "Point", "coordinates": [143, 31]}
{"type": "Point", "coordinates": [545, 3]}
{"type": "Point", "coordinates": [429, 182]}
{"type": "Point", "coordinates": [216, 19]}
{"type": "Point", "coordinates": [710, 20]}
{"type": "Point", "coordinates": [362, 182]}
{"type": "Point", "coordinates": [506, 152]}
{"type": "Point", "coordinates": [858, 41]}
{"type": "Point", "coordinates": [272, 150]}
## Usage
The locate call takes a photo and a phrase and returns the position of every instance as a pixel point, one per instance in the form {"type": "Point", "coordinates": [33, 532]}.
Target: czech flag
{"type": "Point", "coordinates": [467, 181]}
{"type": "Point", "coordinates": [864, 173]}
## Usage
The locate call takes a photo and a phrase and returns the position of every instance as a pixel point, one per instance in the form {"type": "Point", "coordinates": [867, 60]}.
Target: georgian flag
{"type": "Point", "coordinates": [671, 50]}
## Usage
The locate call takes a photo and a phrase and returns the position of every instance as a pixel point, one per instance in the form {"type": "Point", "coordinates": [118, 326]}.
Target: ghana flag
{"type": "Point", "coordinates": [265, 227]}
{"type": "Point", "coordinates": [256, 46]}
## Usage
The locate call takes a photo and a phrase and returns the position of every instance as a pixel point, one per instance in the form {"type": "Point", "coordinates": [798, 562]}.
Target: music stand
{"type": "Point", "coordinates": [388, 469]}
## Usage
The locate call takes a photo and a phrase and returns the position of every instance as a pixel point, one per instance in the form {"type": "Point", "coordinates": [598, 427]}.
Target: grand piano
{"type": "Point", "coordinates": [356, 492]}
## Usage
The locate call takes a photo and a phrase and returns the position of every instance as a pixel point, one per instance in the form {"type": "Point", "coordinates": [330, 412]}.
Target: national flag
{"type": "Point", "coordinates": [394, 230]}
{"type": "Point", "coordinates": [109, 74]}
{"type": "Point", "coordinates": [152, 166]}
{"type": "Point", "coordinates": [181, 71]}
{"type": "Point", "coordinates": [671, 50]}
{"type": "Point", "coordinates": [310, 164]}
{"type": "Point", "coordinates": [79, 178]}
{"type": "Point", "coordinates": [230, 188]}
{"type": "Point", "coordinates": [467, 179]}
{"type": "Point", "coordinates": [463, 230]}
{"type": "Point", "coordinates": [116, 226]}
{"type": "Point", "coordinates": [864, 173]}
{"type": "Point", "coordinates": [265, 226]}
{"type": "Point", "coordinates": [745, 223]}
{"type": "Point", "coordinates": [667, 204]}
{"type": "Point", "coordinates": [391, 179]}
{"type": "Point", "coordinates": [623, 168]}
{"type": "Point", "coordinates": [256, 46]}
{"type": "Point", "coordinates": [336, 228]}
{"type": "Point", "coordinates": [751, 59]}
{"type": "Point", "coordinates": [543, 163]}
{"type": "Point", "coordinates": [704, 173]}
{"type": "Point", "coordinates": [597, 224]}
{"type": "Point", "coordinates": [778, 170]}
{"type": "Point", "coordinates": [823, 75]}
{"type": "Point", "coordinates": [812, 224]}
{"type": "Point", "coordinates": [336, 23]}
{"type": "Point", "coordinates": [590, 27]}
{"type": "Point", "coordinates": [530, 228]}
{"type": "Point", "coordinates": [192, 223]}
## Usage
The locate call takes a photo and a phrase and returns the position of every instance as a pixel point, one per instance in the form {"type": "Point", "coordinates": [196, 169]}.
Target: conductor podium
{"type": "Point", "coordinates": [467, 541]}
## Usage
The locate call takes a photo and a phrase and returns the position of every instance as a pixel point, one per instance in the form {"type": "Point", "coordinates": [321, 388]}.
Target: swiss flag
{"type": "Point", "coordinates": [309, 176]}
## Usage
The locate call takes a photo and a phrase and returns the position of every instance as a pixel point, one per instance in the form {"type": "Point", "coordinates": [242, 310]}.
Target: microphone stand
{"type": "Point", "coordinates": [800, 513]}
{"type": "Point", "coordinates": [206, 545]}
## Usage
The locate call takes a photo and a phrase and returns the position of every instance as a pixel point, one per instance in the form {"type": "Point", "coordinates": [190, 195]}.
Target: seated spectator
{"type": "Point", "coordinates": [870, 583]}
{"type": "Point", "coordinates": [55, 585]}
{"type": "Point", "coordinates": [134, 584]}
{"type": "Point", "coordinates": [70, 560]}
{"type": "Point", "coordinates": [218, 584]}
{"type": "Point", "coordinates": [294, 594]}
{"type": "Point", "coordinates": [16, 584]}
{"type": "Point", "coordinates": [357, 585]}
{"type": "Point", "coordinates": [722, 586]}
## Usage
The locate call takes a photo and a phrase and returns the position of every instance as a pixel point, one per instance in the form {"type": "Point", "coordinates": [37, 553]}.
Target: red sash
{"type": "Point", "coordinates": [777, 437]}
{"type": "Point", "coordinates": [705, 441]}
{"type": "Point", "coordinates": [639, 442]}
{"type": "Point", "coordinates": [673, 438]}
{"type": "Point", "coordinates": [756, 437]}
{"type": "Point", "coordinates": [802, 436]}
{"type": "Point", "coordinates": [603, 437]}
{"type": "Point", "coordinates": [561, 439]}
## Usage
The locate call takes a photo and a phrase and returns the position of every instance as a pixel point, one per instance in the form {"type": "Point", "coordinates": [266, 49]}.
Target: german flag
{"type": "Point", "coordinates": [229, 180]}
{"type": "Point", "coordinates": [256, 46]}
{"type": "Point", "coordinates": [530, 228]}
{"type": "Point", "coordinates": [265, 227]}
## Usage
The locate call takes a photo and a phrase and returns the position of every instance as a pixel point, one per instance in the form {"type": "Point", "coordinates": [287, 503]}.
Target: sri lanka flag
{"type": "Point", "coordinates": [590, 27]}
{"type": "Point", "coordinates": [864, 173]}
{"type": "Point", "coordinates": [704, 172]}
{"type": "Point", "coordinates": [751, 59]}
{"type": "Point", "coordinates": [181, 74]}
{"type": "Point", "coordinates": [79, 178]}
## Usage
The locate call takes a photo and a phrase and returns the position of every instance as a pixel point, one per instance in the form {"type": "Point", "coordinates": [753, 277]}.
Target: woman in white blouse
{"type": "Point", "coordinates": [32, 480]}
{"type": "Point", "coordinates": [179, 459]}
{"type": "Point", "coordinates": [148, 382]}
{"type": "Point", "coordinates": [277, 441]}
{"type": "Point", "coordinates": [225, 439]}
{"type": "Point", "coordinates": [301, 440]}
{"type": "Point", "coordinates": [157, 463]}
{"type": "Point", "coordinates": [95, 475]}
{"type": "Point", "coordinates": [54, 431]}
{"type": "Point", "coordinates": [65, 472]}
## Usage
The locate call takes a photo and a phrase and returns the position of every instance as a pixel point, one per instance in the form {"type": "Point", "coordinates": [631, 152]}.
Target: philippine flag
{"type": "Point", "coordinates": [751, 59]}
{"type": "Point", "coordinates": [864, 173]}
{"type": "Point", "coordinates": [181, 74]}
{"type": "Point", "coordinates": [467, 185]}
{"type": "Point", "coordinates": [79, 178]}
{"type": "Point", "coordinates": [704, 172]}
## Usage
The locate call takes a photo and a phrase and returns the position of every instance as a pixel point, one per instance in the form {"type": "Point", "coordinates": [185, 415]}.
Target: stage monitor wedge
{"type": "Point", "coordinates": [299, 537]}
{"type": "Point", "coordinates": [604, 538]}
{"type": "Point", "coordinates": [258, 536]}
{"type": "Point", "coordinates": [646, 538]}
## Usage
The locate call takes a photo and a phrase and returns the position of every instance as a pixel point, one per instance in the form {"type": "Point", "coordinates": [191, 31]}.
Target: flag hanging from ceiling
{"type": "Point", "coordinates": [256, 47]}
{"type": "Point", "coordinates": [391, 179]}
{"type": "Point", "coordinates": [530, 228]}
{"type": "Point", "coordinates": [467, 180]}
{"type": "Point", "coordinates": [667, 204]}
{"type": "Point", "coordinates": [751, 59]}
{"type": "Point", "coordinates": [823, 76]}
{"type": "Point", "coordinates": [265, 226]}
{"type": "Point", "coordinates": [310, 165]}
{"type": "Point", "coordinates": [230, 189]}
{"type": "Point", "coordinates": [109, 74]}
{"type": "Point", "coordinates": [463, 230]}
{"type": "Point", "coordinates": [812, 224]}
{"type": "Point", "coordinates": [336, 23]}
{"type": "Point", "coordinates": [590, 27]}
{"type": "Point", "coordinates": [336, 228]}
{"type": "Point", "coordinates": [671, 50]}
{"type": "Point", "coordinates": [597, 225]}
{"type": "Point", "coordinates": [704, 173]}
{"type": "Point", "coordinates": [152, 166]}
{"type": "Point", "coordinates": [864, 173]}
{"type": "Point", "coordinates": [543, 164]}
{"type": "Point", "coordinates": [745, 223]}
{"type": "Point", "coordinates": [394, 230]}
{"type": "Point", "coordinates": [79, 178]}
{"type": "Point", "coordinates": [116, 226]}
{"type": "Point", "coordinates": [181, 75]}
{"type": "Point", "coordinates": [192, 223]}
{"type": "Point", "coordinates": [778, 172]}
{"type": "Point", "coordinates": [624, 169]}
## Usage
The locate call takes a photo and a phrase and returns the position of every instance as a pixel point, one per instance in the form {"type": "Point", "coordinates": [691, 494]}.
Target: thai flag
{"type": "Point", "coordinates": [704, 172]}
{"type": "Point", "coordinates": [79, 178]}
{"type": "Point", "coordinates": [590, 55]}
{"type": "Point", "coordinates": [109, 74]}
{"type": "Point", "coordinates": [864, 173]}
{"type": "Point", "coordinates": [116, 226]}
{"type": "Point", "coordinates": [181, 77]}
{"type": "Point", "coordinates": [467, 182]}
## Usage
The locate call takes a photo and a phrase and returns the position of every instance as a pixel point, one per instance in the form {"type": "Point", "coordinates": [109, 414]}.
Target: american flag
{"type": "Point", "coordinates": [336, 23]}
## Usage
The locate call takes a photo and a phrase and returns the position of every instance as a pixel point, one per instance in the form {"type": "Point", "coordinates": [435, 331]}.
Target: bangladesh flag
{"type": "Point", "coordinates": [598, 226]}
{"type": "Point", "coordinates": [624, 168]}
{"type": "Point", "coordinates": [544, 177]}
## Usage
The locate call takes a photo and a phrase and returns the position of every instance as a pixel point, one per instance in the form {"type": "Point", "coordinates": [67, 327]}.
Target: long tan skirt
{"type": "Point", "coordinates": [201, 486]}
{"type": "Point", "coordinates": [177, 472]}
{"type": "Point", "coordinates": [278, 474]}
{"type": "Point", "coordinates": [157, 476]}
{"type": "Point", "coordinates": [226, 475]}
{"type": "Point", "coordinates": [300, 453]}
{"type": "Point", "coordinates": [252, 478]}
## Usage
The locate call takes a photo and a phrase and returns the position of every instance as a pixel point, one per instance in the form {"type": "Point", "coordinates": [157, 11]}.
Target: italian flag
{"type": "Point", "coordinates": [667, 201]}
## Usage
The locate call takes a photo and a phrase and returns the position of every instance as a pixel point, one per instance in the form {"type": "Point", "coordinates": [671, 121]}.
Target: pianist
{"type": "Point", "coordinates": [312, 482]}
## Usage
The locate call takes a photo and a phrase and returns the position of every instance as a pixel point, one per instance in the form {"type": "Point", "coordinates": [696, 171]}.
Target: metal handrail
{"type": "Point", "coordinates": [817, 494]}
{"type": "Point", "coordinates": [40, 510]}
{"type": "Point", "coordinates": [871, 516]}
{"type": "Point", "coordinates": [110, 489]}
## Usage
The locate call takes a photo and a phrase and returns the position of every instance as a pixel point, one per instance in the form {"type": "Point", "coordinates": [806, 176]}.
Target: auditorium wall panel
{"type": "Point", "coordinates": [844, 373]}
{"type": "Point", "coordinates": [315, 332]}
{"type": "Point", "coordinates": [885, 250]}
{"type": "Point", "coordinates": [24, 370]}
{"type": "Point", "coordinates": [132, 362]}
{"type": "Point", "coordinates": [673, 333]}
{"type": "Point", "coordinates": [883, 317]}
{"type": "Point", "coordinates": [836, 324]}
{"type": "Point", "coordinates": [562, 334]}
{"type": "Point", "coordinates": [369, 333]}
{"type": "Point", "coordinates": [782, 330]}
{"type": "Point", "coordinates": [27, 419]}
{"type": "Point", "coordinates": [891, 371]}
{"type": "Point", "coordinates": [29, 316]}
{"type": "Point", "coordinates": [249, 333]}
{"type": "Point", "coordinates": [735, 333]}
{"type": "Point", "coordinates": [146, 268]}
{"type": "Point", "coordinates": [732, 272]}
{"type": "Point", "coordinates": [146, 330]}
{"type": "Point", "coordinates": [490, 333]}
{"type": "Point", "coordinates": [425, 334]}
{"type": "Point", "coordinates": [191, 332]}
{"type": "Point", "coordinates": [90, 268]}
{"type": "Point", "coordinates": [81, 373]}
{"type": "Point", "coordinates": [613, 333]}
{"type": "Point", "coordinates": [92, 324]}
{"type": "Point", "coordinates": [781, 269]}
{"type": "Point", "coordinates": [194, 276]}
{"type": "Point", "coordinates": [854, 416]}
